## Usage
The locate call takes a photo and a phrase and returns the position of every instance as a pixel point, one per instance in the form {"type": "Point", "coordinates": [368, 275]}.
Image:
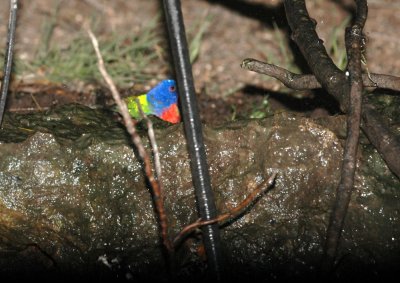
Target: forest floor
{"type": "Point", "coordinates": [52, 51]}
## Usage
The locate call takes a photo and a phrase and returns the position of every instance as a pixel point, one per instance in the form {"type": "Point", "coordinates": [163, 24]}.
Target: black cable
{"type": "Point", "coordinates": [8, 57]}
{"type": "Point", "coordinates": [194, 135]}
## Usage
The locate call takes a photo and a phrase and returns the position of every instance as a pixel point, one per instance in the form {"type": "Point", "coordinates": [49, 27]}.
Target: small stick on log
{"type": "Point", "coordinates": [233, 213]}
{"type": "Point", "coordinates": [153, 142]}
{"type": "Point", "coordinates": [156, 189]}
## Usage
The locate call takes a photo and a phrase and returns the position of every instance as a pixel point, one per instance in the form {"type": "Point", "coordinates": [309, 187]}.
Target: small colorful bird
{"type": "Point", "coordinates": [161, 101]}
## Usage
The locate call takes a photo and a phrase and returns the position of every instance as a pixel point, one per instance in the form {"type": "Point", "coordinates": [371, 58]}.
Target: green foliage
{"type": "Point", "coordinates": [260, 110]}
{"type": "Point", "coordinates": [284, 50]}
{"type": "Point", "coordinates": [196, 33]}
{"type": "Point", "coordinates": [126, 58]}
{"type": "Point", "coordinates": [282, 57]}
{"type": "Point", "coordinates": [335, 44]}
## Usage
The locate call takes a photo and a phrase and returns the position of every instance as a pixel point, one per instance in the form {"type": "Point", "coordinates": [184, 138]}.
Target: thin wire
{"type": "Point", "coordinates": [8, 57]}
{"type": "Point", "coordinates": [194, 134]}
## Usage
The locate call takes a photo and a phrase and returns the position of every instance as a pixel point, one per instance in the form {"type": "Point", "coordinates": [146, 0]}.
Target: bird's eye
{"type": "Point", "coordinates": [172, 88]}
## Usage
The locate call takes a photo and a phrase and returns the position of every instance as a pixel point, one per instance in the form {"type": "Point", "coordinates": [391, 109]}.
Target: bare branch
{"type": "Point", "coordinates": [158, 200]}
{"type": "Point", "coordinates": [153, 141]}
{"type": "Point", "coordinates": [334, 80]}
{"type": "Point", "coordinates": [303, 33]}
{"type": "Point", "coordinates": [233, 213]}
{"type": "Point", "coordinates": [308, 81]}
{"type": "Point", "coordinates": [354, 39]}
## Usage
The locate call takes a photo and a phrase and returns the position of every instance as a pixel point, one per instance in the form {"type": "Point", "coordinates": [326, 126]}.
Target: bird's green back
{"type": "Point", "coordinates": [132, 103]}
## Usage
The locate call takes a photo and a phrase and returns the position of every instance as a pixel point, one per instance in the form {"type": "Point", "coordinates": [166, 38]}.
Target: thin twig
{"type": "Point", "coordinates": [353, 45]}
{"type": "Point", "coordinates": [158, 199]}
{"type": "Point", "coordinates": [36, 102]}
{"type": "Point", "coordinates": [233, 213]}
{"type": "Point", "coordinates": [153, 142]}
{"type": "Point", "coordinates": [27, 109]}
{"type": "Point", "coordinates": [308, 81]}
{"type": "Point", "coordinates": [335, 82]}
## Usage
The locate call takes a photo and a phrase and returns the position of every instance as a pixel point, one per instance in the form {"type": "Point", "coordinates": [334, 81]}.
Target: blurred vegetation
{"type": "Point", "coordinates": [129, 57]}
{"type": "Point", "coordinates": [126, 56]}
{"type": "Point", "coordinates": [335, 44]}
{"type": "Point", "coordinates": [195, 36]}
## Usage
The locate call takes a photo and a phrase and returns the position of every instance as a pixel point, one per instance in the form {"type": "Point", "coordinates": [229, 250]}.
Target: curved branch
{"type": "Point", "coordinates": [311, 46]}
{"type": "Point", "coordinates": [330, 77]}
{"type": "Point", "coordinates": [361, 15]}
{"type": "Point", "coordinates": [228, 216]}
{"type": "Point", "coordinates": [308, 81]}
{"type": "Point", "coordinates": [378, 134]}
{"type": "Point", "coordinates": [353, 45]}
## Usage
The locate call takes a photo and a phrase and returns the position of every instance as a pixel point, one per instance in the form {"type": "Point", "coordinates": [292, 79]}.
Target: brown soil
{"type": "Point", "coordinates": [238, 30]}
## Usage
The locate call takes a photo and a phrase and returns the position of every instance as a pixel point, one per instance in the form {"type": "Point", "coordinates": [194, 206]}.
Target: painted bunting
{"type": "Point", "coordinates": [161, 101]}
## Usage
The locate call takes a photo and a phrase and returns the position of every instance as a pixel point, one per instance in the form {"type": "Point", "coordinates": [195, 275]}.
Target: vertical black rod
{"type": "Point", "coordinates": [194, 135]}
{"type": "Point", "coordinates": [8, 57]}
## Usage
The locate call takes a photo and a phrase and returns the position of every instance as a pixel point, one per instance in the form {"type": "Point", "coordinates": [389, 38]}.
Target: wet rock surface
{"type": "Point", "coordinates": [74, 199]}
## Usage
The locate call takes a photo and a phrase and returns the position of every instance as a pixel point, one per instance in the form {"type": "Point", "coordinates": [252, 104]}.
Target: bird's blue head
{"type": "Point", "coordinates": [163, 95]}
